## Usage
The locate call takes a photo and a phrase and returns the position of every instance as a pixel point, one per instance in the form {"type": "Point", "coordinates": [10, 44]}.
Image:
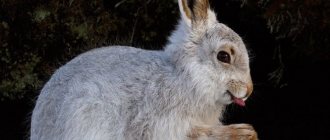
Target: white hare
{"type": "Point", "coordinates": [127, 93]}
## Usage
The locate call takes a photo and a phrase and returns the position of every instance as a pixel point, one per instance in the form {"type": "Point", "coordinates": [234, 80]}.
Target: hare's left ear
{"type": "Point", "coordinates": [196, 12]}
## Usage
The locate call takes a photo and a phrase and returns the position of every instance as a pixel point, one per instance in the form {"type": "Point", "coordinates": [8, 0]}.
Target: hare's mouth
{"type": "Point", "coordinates": [236, 100]}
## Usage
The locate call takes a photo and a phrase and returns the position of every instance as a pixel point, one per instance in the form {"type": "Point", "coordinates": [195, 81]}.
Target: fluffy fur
{"type": "Point", "coordinates": [121, 92]}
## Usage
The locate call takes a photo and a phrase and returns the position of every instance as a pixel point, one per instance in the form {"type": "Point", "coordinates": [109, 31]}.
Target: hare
{"type": "Point", "coordinates": [125, 93]}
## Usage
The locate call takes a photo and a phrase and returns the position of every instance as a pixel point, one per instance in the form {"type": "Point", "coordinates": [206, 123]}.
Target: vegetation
{"type": "Point", "coordinates": [301, 28]}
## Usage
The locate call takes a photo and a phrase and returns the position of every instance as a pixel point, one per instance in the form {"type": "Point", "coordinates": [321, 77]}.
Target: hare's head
{"type": "Point", "coordinates": [211, 55]}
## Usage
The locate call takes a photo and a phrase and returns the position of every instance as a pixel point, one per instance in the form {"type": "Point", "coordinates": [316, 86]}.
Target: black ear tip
{"type": "Point", "coordinates": [196, 10]}
{"type": "Point", "coordinates": [191, 3]}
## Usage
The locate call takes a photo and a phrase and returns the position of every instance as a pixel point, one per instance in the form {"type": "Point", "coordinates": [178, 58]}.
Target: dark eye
{"type": "Point", "coordinates": [223, 57]}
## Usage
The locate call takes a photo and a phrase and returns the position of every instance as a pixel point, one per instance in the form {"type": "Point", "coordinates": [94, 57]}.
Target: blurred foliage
{"type": "Point", "coordinates": [305, 23]}
{"type": "Point", "coordinates": [302, 26]}
{"type": "Point", "coordinates": [37, 36]}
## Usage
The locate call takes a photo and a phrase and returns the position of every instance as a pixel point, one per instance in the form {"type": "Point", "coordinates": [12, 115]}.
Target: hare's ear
{"type": "Point", "coordinates": [196, 12]}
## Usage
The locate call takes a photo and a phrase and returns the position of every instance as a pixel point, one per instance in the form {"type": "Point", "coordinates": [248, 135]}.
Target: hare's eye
{"type": "Point", "coordinates": [223, 57]}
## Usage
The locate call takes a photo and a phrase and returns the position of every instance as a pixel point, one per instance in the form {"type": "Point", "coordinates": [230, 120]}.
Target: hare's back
{"type": "Point", "coordinates": [112, 65]}
{"type": "Point", "coordinates": [104, 72]}
{"type": "Point", "coordinates": [103, 82]}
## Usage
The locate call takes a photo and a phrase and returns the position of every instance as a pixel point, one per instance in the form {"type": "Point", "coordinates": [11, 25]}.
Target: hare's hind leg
{"type": "Point", "coordinates": [88, 120]}
{"type": "Point", "coordinates": [229, 132]}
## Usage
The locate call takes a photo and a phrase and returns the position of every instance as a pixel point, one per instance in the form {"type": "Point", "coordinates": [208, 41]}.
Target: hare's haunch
{"type": "Point", "coordinates": [125, 93]}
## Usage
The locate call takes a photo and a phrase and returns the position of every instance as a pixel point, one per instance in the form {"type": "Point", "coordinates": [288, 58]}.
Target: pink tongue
{"type": "Point", "coordinates": [238, 101]}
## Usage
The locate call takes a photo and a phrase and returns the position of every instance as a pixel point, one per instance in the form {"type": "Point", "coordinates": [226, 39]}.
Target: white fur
{"type": "Point", "coordinates": [127, 93]}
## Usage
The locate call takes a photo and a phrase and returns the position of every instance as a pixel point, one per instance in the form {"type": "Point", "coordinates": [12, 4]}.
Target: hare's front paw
{"type": "Point", "coordinates": [235, 132]}
{"type": "Point", "coordinates": [229, 132]}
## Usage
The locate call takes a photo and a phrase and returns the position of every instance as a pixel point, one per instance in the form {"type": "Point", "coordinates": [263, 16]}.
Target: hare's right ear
{"type": "Point", "coordinates": [196, 12]}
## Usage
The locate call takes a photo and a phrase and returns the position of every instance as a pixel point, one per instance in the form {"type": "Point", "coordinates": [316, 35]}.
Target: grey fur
{"type": "Point", "coordinates": [121, 92]}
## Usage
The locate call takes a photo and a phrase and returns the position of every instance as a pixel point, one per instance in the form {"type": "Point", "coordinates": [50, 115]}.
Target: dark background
{"type": "Point", "coordinates": [288, 42]}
